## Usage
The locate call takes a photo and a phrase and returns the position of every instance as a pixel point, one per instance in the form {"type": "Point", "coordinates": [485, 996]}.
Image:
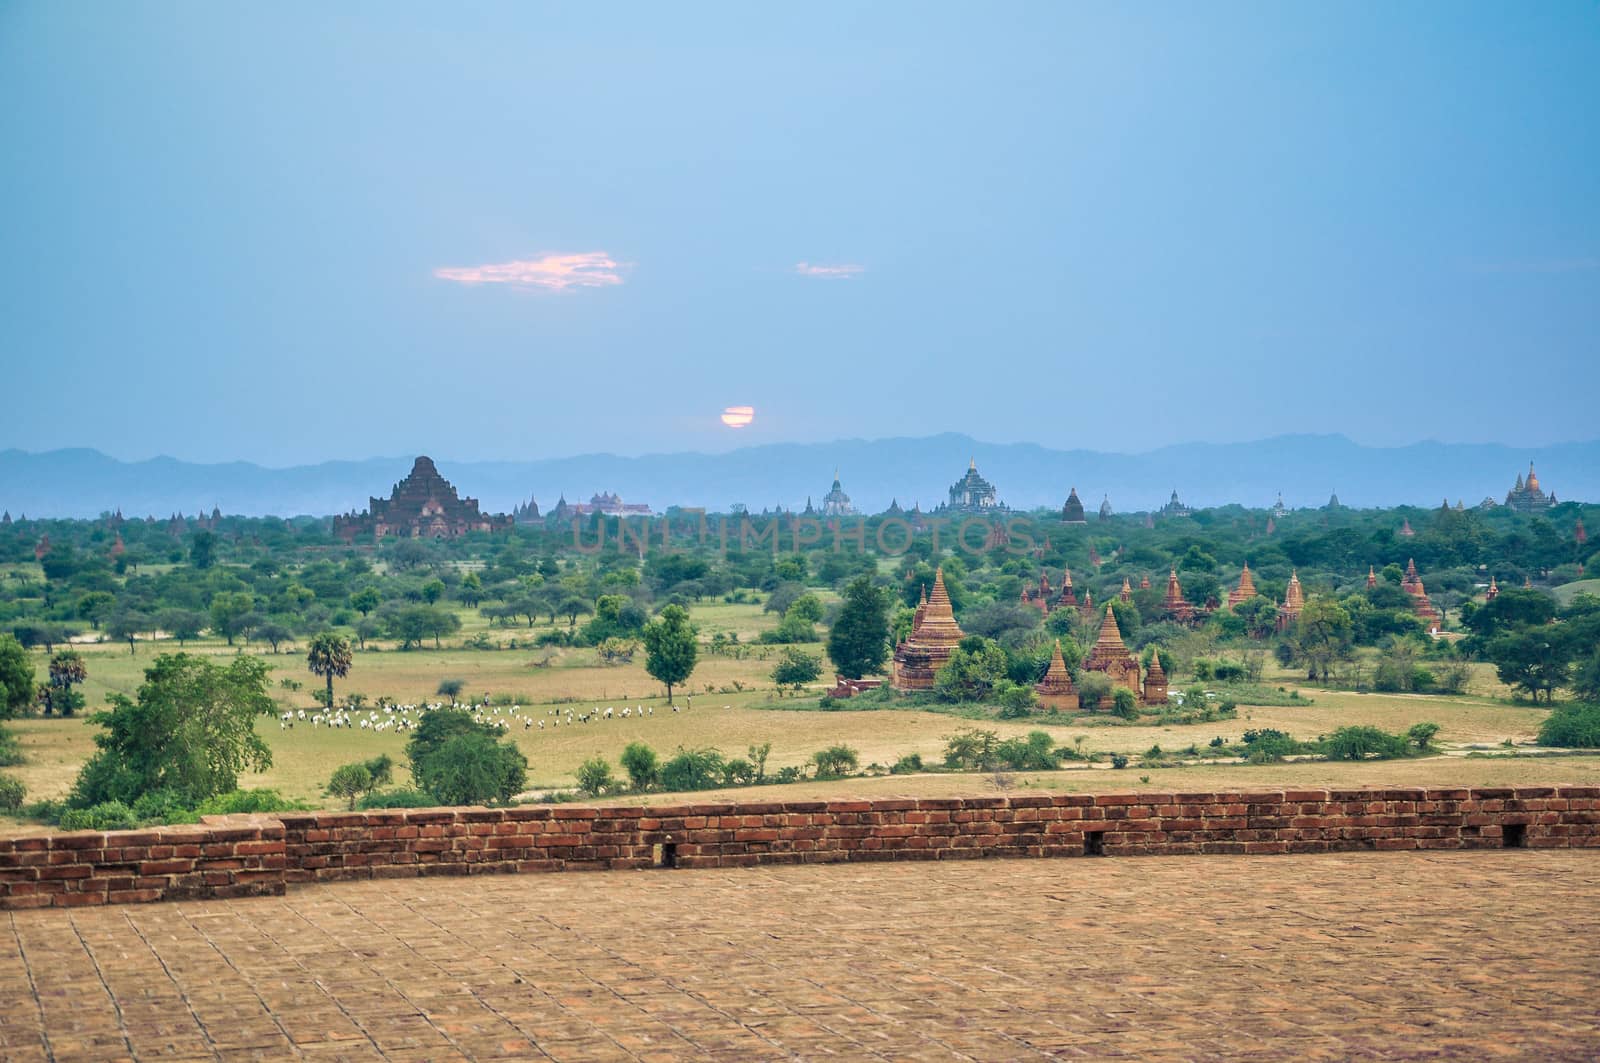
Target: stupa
{"type": "Point", "coordinates": [1072, 511]}
{"type": "Point", "coordinates": [934, 636]}
{"type": "Point", "coordinates": [1493, 591]}
{"type": "Point", "coordinates": [1412, 585]}
{"type": "Point", "coordinates": [1155, 681]}
{"type": "Point", "coordinates": [1110, 656]}
{"type": "Point", "coordinates": [1372, 578]}
{"type": "Point", "coordinates": [1294, 600]}
{"type": "Point", "coordinates": [1175, 604]}
{"type": "Point", "coordinates": [1055, 690]}
{"type": "Point", "coordinates": [1244, 591]}
{"type": "Point", "coordinates": [1528, 497]}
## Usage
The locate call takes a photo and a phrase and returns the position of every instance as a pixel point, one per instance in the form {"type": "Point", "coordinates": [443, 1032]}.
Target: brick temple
{"type": "Point", "coordinates": [422, 506]}
{"type": "Point", "coordinates": [934, 636]}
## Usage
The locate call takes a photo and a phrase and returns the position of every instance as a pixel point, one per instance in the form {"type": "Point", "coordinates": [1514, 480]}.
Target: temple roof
{"type": "Point", "coordinates": [1057, 679]}
{"type": "Point", "coordinates": [1109, 645]}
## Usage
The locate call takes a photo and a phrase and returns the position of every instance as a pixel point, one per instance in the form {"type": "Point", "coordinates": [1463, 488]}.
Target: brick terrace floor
{"type": "Point", "coordinates": [1405, 955]}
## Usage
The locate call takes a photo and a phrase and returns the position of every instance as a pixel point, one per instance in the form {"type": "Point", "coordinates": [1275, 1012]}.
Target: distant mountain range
{"type": "Point", "coordinates": [1305, 468]}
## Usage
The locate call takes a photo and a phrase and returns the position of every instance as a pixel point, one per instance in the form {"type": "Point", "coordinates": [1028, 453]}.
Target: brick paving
{"type": "Point", "coordinates": [1475, 955]}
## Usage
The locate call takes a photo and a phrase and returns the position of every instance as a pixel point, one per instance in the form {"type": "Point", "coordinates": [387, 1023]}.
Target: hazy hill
{"type": "Point", "coordinates": [83, 483]}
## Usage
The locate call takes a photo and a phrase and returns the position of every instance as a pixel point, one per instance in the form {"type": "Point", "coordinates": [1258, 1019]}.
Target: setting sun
{"type": "Point", "coordinates": [738, 416]}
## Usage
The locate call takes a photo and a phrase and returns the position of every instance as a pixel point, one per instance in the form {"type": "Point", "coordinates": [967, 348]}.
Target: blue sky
{"type": "Point", "coordinates": [293, 232]}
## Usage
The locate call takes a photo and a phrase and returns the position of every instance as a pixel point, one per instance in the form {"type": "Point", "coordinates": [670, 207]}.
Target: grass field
{"type": "Point", "coordinates": [734, 706]}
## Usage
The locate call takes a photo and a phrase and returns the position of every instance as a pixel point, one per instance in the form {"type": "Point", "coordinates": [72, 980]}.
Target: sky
{"type": "Point", "coordinates": [289, 233]}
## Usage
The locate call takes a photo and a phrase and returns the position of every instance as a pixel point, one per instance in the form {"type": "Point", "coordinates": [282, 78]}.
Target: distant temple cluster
{"type": "Point", "coordinates": [422, 506]}
{"type": "Point", "coordinates": [1111, 658]}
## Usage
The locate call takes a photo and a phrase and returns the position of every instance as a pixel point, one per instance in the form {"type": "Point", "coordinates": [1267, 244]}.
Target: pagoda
{"type": "Point", "coordinates": [1127, 590]}
{"type": "Point", "coordinates": [527, 513]}
{"type": "Point", "coordinates": [1175, 508]}
{"type": "Point", "coordinates": [934, 636]}
{"type": "Point", "coordinates": [1088, 604]}
{"type": "Point", "coordinates": [972, 494]}
{"type": "Point", "coordinates": [1066, 599]}
{"type": "Point", "coordinates": [1055, 690]}
{"type": "Point", "coordinates": [1175, 604]}
{"type": "Point", "coordinates": [1072, 511]}
{"type": "Point", "coordinates": [1272, 526]}
{"type": "Point", "coordinates": [1294, 600]}
{"type": "Point", "coordinates": [1244, 591]}
{"type": "Point", "coordinates": [41, 549]}
{"type": "Point", "coordinates": [1580, 534]}
{"type": "Point", "coordinates": [1155, 681]}
{"type": "Point", "coordinates": [836, 503]}
{"type": "Point", "coordinates": [1039, 597]}
{"type": "Point", "coordinates": [1372, 578]}
{"type": "Point", "coordinates": [1105, 507]}
{"type": "Point", "coordinates": [1412, 585]}
{"type": "Point", "coordinates": [1528, 497]}
{"type": "Point", "coordinates": [1405, 529]}
{"type": "Point", "coordinates": [894, 509]}
{"type": "Point", "coordinates": [1493, 592]}
{"type": "Point", "coordinates": [422, 506]}
{"type": "Point", "coordinates": [1111, 657]}
{"type": "Point", "coordinates": [1144, 582]}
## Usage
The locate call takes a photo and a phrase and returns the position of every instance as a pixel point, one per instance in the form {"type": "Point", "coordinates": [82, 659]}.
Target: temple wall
{"type": "Point", "coordinates": [233, 856]}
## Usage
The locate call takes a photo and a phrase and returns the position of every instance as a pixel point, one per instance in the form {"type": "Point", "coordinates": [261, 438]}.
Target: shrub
{"type": "Point", "coordinates": [398, 799]}
{"type": "Point", "coordinates": [594, 776]}
{"type": "Point", "coordinates": [107, 815]}
{"type": "Point", "coordinates": [693, 769]}
{"type": "Point", "coordinates": [163, 806]}
{"type": "Point", "coordinates": [10, 750]}
{"type": "Point", "coordinates": [1092, 689]}
{"type": "Point", "coordinates": [1124, 704]}
{"type": "Point", "coordinates": [471, 769]}
{"type": "Point", "coordinates": [641, 764]}
{"type": "Point", "coordinates": [1036, 752]}
{"type": "Point", "coordinates": [835, 761]}
{"type": "Point", "coordinates": [907, 765]}
{"type": "Point", "coordinates": [1361, 742]}
{"type": "Point", "coordinates": [1267, 746]}
{"type": "Point", "coordinates": [1422, 734]}
{"type": "Point", "coordinates": [238, 801]}
{"type": "Point", "coordinates": [350, 781]}
{"type": "Point", "coordinates": [12, 795]}
{"type": "Point", "coordinates": [1573, 726]}
{"type": "Point", "coordinates": [971, 749]}
{"type": "Point", "coordinates": [1118, 761]}
{"type": "Point", "coordinates": [1016, 700]}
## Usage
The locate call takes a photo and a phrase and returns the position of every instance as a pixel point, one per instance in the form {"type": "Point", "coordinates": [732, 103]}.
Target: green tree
{"type": "Point", "coordinates": [350, 782]}
{"type": "Point", "coordinates": [796, 668]}
{"type": "Point", "coordinates": [229, 611]}
{"type": "Point", "coordinates": [190, 729]}
{"type": "Point", "coordinates": [642, 766]}
{"type": "Point", "coordinates": [181, 624]}
{"type": "Point", "coordinates": [1322, 637]}
{"type": "Point", "coordinates": [366, 600]}
{"type": "Point", "coordinates": [202, 549]}
{"type": "Point", "coordinates": [1586, 678]}
{"type": "Point", "coordinates": [126, 625]}
{"type": "Point", "coordinates": [594, 776]}
{"type": "Point", "coordinates": [835, 761]}
{"type": "Point", "coordinates": [459, 760]}
{"type": "Point", "coordinates": [972, 672]}
{"type": "Point", "coordinates": [670, 647]}
{"type": "Point", "coordinates": [858, 645]}
{"type": "Point", "coordinates": [1534, 660]}
{"type": "Point", "coordinates": [95, 607]}
{"type": "Point", "coordinates": [692, 769]}
{"type": "Point", "coordinates": [16, 678]}
{"type": "Point", "coordinates": [329, 655]}
{"type": "Point", "coordinates": [57, 696]}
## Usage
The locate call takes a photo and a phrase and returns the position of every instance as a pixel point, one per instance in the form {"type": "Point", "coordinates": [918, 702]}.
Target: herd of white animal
{"type": "Point", "coordinates": [400, 718]}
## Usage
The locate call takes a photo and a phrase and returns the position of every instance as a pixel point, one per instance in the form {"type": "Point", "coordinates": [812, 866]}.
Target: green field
{"type": "Point", "coordinates": [732, 704]}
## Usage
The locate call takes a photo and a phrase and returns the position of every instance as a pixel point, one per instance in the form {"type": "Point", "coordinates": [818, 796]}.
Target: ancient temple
{"type": "Point", "coordinates": [1245, 590]}
{"type": "Point", "coordinates": [1580, 534]}
{"type": "Point", "coordinates": [1175, 508]}
{"type": "Point", "coordinates": [611, 504]}
{"type": "Point", "coordinates": [934, 636]}
{"type": "Point", "coordinates": [1406, 530]}
{"type": "Point", "coordinates": [1527, 496]}
{"type": "Point", "coordinates": [1067, 599]}
{"type": "Point", "coordinates": [1039, 596]}
{"type": "Point", "coordinates": [1412, 585]}
{"type": "Point", "coordinates": [1372, 578]}
{"type": "Point", "coordinates": [1279, 509]}
{"type": "Point", "coordinates": [1294, 600]}
{"type": "Point", "coordinates": [836, 503]}
{"type": "Point", "coordinates": [1055, 690]}
{"type": "Point", "coordinates": [1126, 594]}
{"type": "Point", "coordinates": [1155, 681]}
{"type": "Point", "coordinates": [894, 509]}
{"type": "Point", "coordinates": [422, 506]}
{"type": "Point", "coordinates": [527, 513]}
{"type": "Point", "coordinates": [1493, 591]}
{"type": "Point", "coordinates": [1072, 511]}
{"type": "Point", "coordinates": [972, 494]}
{"type": "Point", "coordinates": [1110, 656]}
{"type": "Point", "coordinates": [1175, 604]}
{"type": "Point", "coordinates": [1105, 507]}
{"type": "Point", "coordinates": [1144, 582]}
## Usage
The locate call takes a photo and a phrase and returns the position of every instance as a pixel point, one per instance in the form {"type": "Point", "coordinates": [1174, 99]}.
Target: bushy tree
{"type": "Point", "coordinates": [350, 781]}
{"type": "Point", "coordinates": [16, 678]}
{"type": "Point", "coordinates": [594, 776]}
{"type": "Point", "coordinates": [796, 668]}
{"type": "Point", "coordinates": [670, 647]}
{"type": "Point", "coordinates": [190, 729]}
{"type": "Point", "coordinates": [692, 769]}
{"type": "Point", "coordinates": [858, 644]}
{"type": "Point", "coordinates": [58, 696]}
{"type": "Point", "coordinates": [835, 761]}
{"type": "Point", "coordinates": [642, 766]}
{"type": "Point", "coordinates": [972, 672]}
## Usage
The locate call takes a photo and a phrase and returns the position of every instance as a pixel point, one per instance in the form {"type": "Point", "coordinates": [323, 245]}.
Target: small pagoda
{"type": "Point", "coordinates": [1244, 591]}
{"type": "Point", "coordinates": [1411, 583]}
{"type": "Point", "coordinates": [934, 637]}
{"type": "Point", "coordinates": [1493, 592]}
{"type": "Point", "coordinates": [1294, 600]}
{"type": "Point", "coordinates": [1155, 681]}
{"type": "Point", "coordinates": [1055, 690]}
{"type": "Point", "coordinates": [1175, 604]}
{"type": "Point", "coordinates": [1110, 656]}
{"type": "Point", "coordinates": [1067, 599]}
{"type": "Point", "coordinates": [1072, 511]}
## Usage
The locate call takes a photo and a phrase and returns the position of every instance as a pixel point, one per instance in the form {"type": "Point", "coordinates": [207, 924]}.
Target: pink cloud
{"type": "Point", "coordinates": [844, 271]}
{"type": "Point", "coordinates": [553, 271]}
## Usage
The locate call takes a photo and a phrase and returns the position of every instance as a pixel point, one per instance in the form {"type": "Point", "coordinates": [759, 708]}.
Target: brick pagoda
{"type": "Point", "coordinates": [422, 506]}
{"type": "Point", "coordinates": [1055, 690]}
{"type": "Point", "coordinates": [934, 636]}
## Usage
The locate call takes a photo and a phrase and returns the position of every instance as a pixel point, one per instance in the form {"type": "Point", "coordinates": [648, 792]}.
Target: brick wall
{"type": "Point", "coordinates": [235, 856]}
{"type": "Point", "coordinates": [224, 856]}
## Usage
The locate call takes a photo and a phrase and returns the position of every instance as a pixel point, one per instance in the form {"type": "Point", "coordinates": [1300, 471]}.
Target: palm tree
{"type": "Point", "coordinates": [329, 656]}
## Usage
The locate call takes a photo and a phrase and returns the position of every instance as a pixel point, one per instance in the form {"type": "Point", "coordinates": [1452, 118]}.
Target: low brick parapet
{"type": "Point", "coordinates": [232, 856]}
